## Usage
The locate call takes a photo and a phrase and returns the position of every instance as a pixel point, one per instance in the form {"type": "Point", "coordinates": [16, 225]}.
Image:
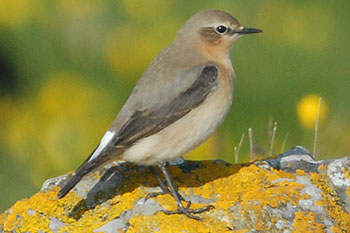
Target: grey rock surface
{"type": "Point", "coordinates": [288, 193]}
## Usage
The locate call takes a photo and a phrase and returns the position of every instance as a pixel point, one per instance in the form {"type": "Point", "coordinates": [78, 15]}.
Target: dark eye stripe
{"type": "Point", "coordinates": [209, 34]}
{"type": "Point", "coordinates": [231, 31]}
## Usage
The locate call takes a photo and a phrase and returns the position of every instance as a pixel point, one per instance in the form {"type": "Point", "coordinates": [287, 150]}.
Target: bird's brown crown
{"type": "Point", "coordinates": [211, 32]}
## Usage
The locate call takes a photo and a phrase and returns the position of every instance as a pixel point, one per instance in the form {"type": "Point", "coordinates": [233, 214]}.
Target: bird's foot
{"type": "Point", "coordinates": [163, 186]}
{"type": "Point", "coordinates": [165, 190]}
{"type": "Point", "coordinates": [170, 188]}
{"type": "Point", "coordinates": [187, 211]}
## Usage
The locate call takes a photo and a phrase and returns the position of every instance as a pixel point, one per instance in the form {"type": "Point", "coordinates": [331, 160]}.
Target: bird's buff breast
{"type": "Point", "coordinates": [187, 133]}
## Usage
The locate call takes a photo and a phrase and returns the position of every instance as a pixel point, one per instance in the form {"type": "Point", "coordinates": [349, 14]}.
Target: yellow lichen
{"type": "Point", "coordinates": [322, 168]}
{"type": "Point", "coordinates": [330, 202]}
{"type": "Point", "coordinates": [250, 188]}
{"type": "Point", "coordinates": [305, 222]}
{"type": "Point", "coordinates": [335, 229]}
{"type": "Point", "coordinates": [320, 181]}
{"type": "Point", "coordinates": [346, 173]}
{"type": "Point", "coordinates": [300, 172]}
{"type": "Point", "coordinates": [176, 223]}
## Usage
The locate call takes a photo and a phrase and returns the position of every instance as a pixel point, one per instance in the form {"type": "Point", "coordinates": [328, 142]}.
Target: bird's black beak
{"type": "Point", "coordinates": [246, 30]}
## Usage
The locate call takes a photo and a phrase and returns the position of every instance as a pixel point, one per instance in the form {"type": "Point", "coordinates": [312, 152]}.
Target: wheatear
{"type": "Point", "coordinates": [181, 98]}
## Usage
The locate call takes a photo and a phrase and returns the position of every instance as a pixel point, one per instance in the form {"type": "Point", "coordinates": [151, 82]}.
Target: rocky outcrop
{"type": "Point", "coordinates": [288, 193]}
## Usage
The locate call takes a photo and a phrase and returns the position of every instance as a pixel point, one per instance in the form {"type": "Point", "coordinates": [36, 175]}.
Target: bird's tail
{"type": "Point", "coordinates": [93, 162]}
{"type": "Point", "coordinates": [71, 183]}
{"type": "Point", "coordinates": [87, 167]}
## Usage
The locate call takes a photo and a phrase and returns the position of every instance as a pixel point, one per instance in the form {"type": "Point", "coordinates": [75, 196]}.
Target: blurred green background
{"type": "Point", "coordinates": [67, 66]}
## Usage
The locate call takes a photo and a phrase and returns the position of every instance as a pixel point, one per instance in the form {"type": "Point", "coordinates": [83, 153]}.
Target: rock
{"type": "Point", "coordinates": [289, 193]}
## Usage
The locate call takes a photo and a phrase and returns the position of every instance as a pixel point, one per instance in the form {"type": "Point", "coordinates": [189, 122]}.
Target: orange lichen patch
{"type": "Point", "coordinates": [167, 201]}
{"type": "Point", "coordinates": [177, 223]}
{"type": "Point", "coordinates": [300, 172]}
{"type": "Point", "coordinates": [320, 181]}
{"type": "Point", "coordinates": [322, 168]}
{"type": "Point", "coordinates": [335, 212]}
{"type": "Point", "coordinates": [330, 202]}
{"type": "Point", "coordinates": [253, 188]}
{"type": "Point", "coordinates": [100, 215]}
{"type": "Point", "coordinates": [2, 219]}
{"type": "Point", "coordinates": [346, 173]}
{"type": "Point", "coordinates": [335, 229]}
{"type": "Point", "coordinates": [252, 183]}
{"type": "Point", "coordinates": [307, 223]}
{"type": "Point", "coordinates": [32, 214]}
{"type": "Point", "coordinates": [43, 206]}
{"type": "Point", "coordinates": [236, 191]}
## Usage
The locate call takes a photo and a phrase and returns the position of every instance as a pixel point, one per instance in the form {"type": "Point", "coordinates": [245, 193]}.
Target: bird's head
{"type": "Point", "coordinates": [212, 31]}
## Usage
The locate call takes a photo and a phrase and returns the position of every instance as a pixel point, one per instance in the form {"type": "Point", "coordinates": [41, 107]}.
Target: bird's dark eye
{"type": "Point", "coordinates": [221, 29]}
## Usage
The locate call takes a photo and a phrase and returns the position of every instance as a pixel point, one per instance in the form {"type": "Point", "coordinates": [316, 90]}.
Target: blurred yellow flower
{"type": "Point", "coordinates": [14, 13]}
{"type": "Point", "coordinates": [65, 94]}
{"type": "Point", "coordinates": [22, 132]}
{"type": "Point", "coordinates": [146, 9]}
{"type": "Point", "coordinates": [28, 138]}
{"type": "Point", "coordinates": [307, 110]}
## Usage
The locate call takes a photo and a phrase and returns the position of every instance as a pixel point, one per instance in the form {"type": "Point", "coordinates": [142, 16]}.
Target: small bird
{"type": "Point", "coordinates": [179, 101]}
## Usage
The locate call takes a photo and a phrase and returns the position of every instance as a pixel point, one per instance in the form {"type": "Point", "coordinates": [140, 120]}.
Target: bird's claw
{"type": "Point", "coordinates": [163, 192]}
{"type": "Point", "coordinates": [188, 212]}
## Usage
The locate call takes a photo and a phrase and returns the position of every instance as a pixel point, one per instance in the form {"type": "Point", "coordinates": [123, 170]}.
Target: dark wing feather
{"type": "Point", "coordinates": [147, 122]}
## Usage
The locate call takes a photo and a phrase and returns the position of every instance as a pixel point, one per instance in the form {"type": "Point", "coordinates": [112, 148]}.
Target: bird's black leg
{"type": "Point", "coordinates": [181, 209]}
{"type": "Point", "coordinates": [162, 185]}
